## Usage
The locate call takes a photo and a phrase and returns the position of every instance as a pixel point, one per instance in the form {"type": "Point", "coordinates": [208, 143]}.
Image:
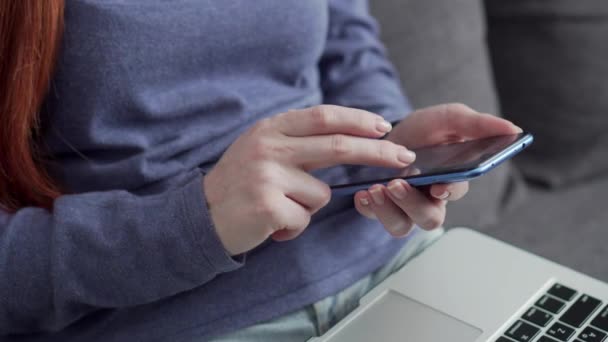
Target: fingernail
{"type": "Point", "coordinates": [383, 126]}
{"type": "Point", "coordinates": [518, 128]}
{"type": "Point", "coordinates": [377, 195]}
{"type": "Point", "coordinates": [400, 231]}
{"type": "Point", "coordinates": [398, 190]}
{"type": "Point", "coordinates": [444, 195]}
{"type": "Point", "coordinates": [364, 201]}
{"type": "Point", "coordinates": [406, 156]}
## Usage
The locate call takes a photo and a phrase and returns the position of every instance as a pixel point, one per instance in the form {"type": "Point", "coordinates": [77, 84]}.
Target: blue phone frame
{"type": "Point", "coordinates": [449, 177]}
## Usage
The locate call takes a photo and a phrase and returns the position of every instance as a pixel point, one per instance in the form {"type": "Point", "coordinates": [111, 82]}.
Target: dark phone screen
{"type": "Point", "coordinates": [434, 160]}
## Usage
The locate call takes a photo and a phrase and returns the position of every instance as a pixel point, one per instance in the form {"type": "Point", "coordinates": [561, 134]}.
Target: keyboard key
{"type": "Point", "coordinates": [560, 332]}
{"type": "Point", "coordinates": [522, 331]}
{"type": "Point", "coordinates": [550, 304]}
{"type": "Point", "coordinates": [504, 339]}
{"type": "Point", "coordinates": [562, 292]}
{"type": "Point", "coordinates": [580, 311]}
{"type": "Point", "coordinates": [601, 320]}
{"type": "Point", "coordinates": [592, 335]}
{"type": "Point", "coordinates": [545, 339]}
{"type": "Point", "coordinates": [538, 317]}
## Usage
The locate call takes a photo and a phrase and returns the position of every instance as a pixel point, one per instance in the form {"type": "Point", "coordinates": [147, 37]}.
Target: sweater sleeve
{"type": "Point", "coordinates": [104, 250]}
{"type": "Point", "coordinates": [355, 71]}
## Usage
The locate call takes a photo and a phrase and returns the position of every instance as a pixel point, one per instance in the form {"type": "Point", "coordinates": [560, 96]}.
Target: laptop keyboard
{"type": "Point", "coordinates": [561, 314]}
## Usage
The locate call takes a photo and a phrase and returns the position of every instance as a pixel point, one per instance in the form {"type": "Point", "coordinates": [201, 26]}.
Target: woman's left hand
{"type": "Point", "coordinates": [399, 206]}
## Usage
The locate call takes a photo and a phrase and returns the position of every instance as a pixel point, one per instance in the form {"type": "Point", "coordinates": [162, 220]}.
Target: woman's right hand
{"type": "Point", "coordinates": [261, 186]}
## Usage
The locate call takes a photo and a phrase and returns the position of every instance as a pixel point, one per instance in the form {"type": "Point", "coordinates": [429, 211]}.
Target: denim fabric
{"type": "Point", "coordinates": [318, 318]}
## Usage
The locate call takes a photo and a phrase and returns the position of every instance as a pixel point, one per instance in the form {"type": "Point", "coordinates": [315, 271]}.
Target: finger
{"type": "Point", "coordinates": [392, 217]}
{"type": "Point", "coordinates": [329, 150]}
{"type": "Point", "coordinates": [306, 190]}
{"type": "Point", "coordinates": [462, 121]}
{"type": "Point", "coordinates": [285, 235]}
{"type": "Point", "coordinates": [449, 192]}
{"type": "Point", "coordinates": [477, 125]}
{"type": "Point", "coordinates": [288, 215]}
{"type": "Point", "coordinates": [327, 119]}
{"type": "Point", "coordinates": [362, 204]}
{"type": "Point", "coordinates": [453, 122]}
{"type": "Point", "coordinates": [427, 212]}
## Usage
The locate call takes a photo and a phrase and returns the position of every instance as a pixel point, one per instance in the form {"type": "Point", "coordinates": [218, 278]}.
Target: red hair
{"type": "Point", "coordinates": [30, 33]}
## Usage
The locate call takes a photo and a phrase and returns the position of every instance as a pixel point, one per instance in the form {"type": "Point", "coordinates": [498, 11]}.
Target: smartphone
{"type": "Point", "coordinates": [446, 163]}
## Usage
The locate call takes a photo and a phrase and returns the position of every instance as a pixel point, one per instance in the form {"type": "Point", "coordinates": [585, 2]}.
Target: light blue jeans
{"type": "Point", "coordinates": [316, 319]}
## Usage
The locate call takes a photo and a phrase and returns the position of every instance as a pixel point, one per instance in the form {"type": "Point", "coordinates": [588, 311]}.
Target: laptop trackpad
{"type": "Point", "coordinates": [394, 317]}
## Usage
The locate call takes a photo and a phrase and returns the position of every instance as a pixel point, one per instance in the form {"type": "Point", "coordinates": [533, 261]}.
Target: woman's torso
{"type": "Point", "coordinates": [149, 89]}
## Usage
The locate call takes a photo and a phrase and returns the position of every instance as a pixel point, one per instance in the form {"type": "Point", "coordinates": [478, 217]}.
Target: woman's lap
{"type": "Point", "coordinates": [316, 319]}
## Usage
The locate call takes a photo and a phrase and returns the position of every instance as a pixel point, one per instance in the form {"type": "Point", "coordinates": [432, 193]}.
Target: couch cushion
{"type": "Point", "coordinates": [550, 60]}
{"type": "Point", "coordinates": [565, 225]}
{"type": "Point", "coordinates": [439, 50]}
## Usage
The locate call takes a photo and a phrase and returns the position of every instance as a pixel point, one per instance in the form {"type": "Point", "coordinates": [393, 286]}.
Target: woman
{"type": "Point", "coordinates": [152, 192]}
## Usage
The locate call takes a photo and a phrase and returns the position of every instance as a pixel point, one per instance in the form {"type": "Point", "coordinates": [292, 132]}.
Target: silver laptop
{"type": "Point", "coordinates": [469, 287]}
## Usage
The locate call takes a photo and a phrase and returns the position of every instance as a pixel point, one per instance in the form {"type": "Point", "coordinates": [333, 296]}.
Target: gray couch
{"type": "Point", "coordinates": [543, 65]}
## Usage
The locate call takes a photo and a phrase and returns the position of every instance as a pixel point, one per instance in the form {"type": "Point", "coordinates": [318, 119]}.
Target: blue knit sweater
{"type": "Point", "coordinates": [147, 96]}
